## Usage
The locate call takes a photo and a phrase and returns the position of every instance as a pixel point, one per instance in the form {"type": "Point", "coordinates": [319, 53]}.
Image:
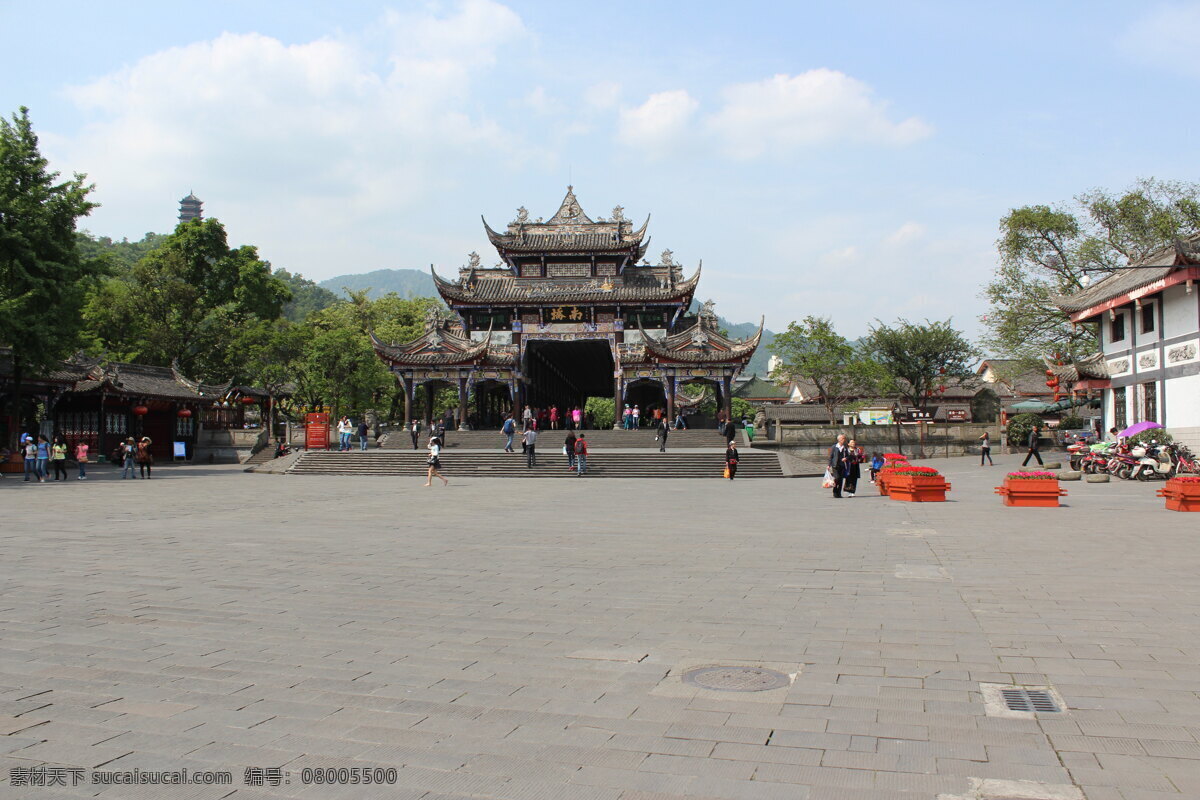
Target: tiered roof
{"type": "Point", "coordinates": [701, 343]}
{"type": "Point", "coordinates": [1160, 267]}
{"type": "Point", "coordinates": [635, 284]}
{"type": "Point", "coordinates": [442, 344]}
{"type": "Point", "coordinates": [570, 230]}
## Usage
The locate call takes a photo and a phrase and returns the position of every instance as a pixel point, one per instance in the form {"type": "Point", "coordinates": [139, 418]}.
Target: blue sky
{"type": "Point", "coordinates": [846, 160]}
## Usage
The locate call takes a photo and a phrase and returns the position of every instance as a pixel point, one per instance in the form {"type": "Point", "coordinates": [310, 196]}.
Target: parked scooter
{"type": "Point", "coordinates": [1151, 464]}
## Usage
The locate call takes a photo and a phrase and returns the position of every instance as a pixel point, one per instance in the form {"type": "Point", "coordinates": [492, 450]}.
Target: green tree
{"type": "Point", "coordinates": [916, 359]}
{"type": "Point", "coordinates": [1047, 251]}
{"type": "Point", "coordinates": [42, 276]}
{"type": "Point", "coordinates": [392, 319]}
{"type": "Point", "coordinates": [814, 351]}
{"type": "Point", "coordinates": [181, 301]}
{"type": "Point", "coordinates": [121, 255]}
{"type": "Point", "coordinates": [601, 409]}
{"type": "Point", "coordinates": [307, 297]}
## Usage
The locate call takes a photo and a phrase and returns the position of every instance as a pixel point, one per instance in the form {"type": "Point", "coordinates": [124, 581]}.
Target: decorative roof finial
{"type": "Point", "coordinates": [668, 258]}
{"type": "Point", "coordinates": [473, 260]}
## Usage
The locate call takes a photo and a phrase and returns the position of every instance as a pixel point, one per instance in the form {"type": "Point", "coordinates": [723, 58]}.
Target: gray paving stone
{"type": "Point", "coordinates": [429, 633]}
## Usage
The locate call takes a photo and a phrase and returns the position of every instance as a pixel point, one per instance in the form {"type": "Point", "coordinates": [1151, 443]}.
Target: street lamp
{"type": "Point", "coordinates": [896, 424]}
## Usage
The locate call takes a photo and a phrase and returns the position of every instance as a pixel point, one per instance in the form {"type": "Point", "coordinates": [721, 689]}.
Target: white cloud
{"type": "Point", "coordinates": [657, 123]}
{"type": "Point", "coordinates": [605, 94]}
{"type": "Point", "coordinates": [329, 135]}
{"type": "Point", "coordinates": [785, 113]}
{"type": "Point", "coordinates": [1165, 38]}
{"type": "Point", "coordinates": [842, 257]}
{"type": "Point", "coordinates": [905, 234]}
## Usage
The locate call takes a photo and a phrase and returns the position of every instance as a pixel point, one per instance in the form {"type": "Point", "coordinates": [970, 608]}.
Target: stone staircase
{"type": "Point", "coordinates": [690, 462]}
{"type": "Point", "coordinates": [599, 440]}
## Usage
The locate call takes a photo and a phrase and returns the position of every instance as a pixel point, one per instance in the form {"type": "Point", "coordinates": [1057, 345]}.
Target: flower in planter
{"type": "Point", "coordinates": [1036, 475]}
{"type": "Point", "coordinates": [1187, 478]}
{"type": "Point", "coordinates": [909, 470]}
{"type": "Point", "coordinates": [895, 457]}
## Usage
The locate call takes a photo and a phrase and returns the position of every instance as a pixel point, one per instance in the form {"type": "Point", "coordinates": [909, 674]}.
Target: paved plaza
{"type": "Point", "coordinates": [528, 639]}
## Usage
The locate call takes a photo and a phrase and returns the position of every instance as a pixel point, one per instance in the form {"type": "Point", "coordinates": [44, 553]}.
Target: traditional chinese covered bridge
{"type": "Point", "coordinates": [568, 314]}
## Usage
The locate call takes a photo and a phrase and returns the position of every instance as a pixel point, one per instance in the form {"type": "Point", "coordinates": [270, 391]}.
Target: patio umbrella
{"type": "Point", "coordinates": [1031, 406]}
{"type": "Point", "coordinates": [1138, 427]}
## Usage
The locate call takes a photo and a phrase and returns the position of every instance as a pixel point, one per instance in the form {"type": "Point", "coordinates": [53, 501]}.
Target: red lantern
{"type": "Point", "coordinates": [141, 411]}
{"type": "Point", "coordinates": [184, 412]}
{"type": "Point", "coordinates": [248, 401]}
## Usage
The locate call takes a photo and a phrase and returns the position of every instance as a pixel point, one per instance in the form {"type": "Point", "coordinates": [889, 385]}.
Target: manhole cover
{"type": "Point", "coordinates": [1029, 700]}
{"type": "Point", "coordinates": [736, 679]}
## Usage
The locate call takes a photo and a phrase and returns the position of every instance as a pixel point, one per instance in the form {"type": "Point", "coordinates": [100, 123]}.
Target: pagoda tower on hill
{"type": "Point", "coordinates": [190, 208]}
{"type": "Point", "coordinates": [568, 313]}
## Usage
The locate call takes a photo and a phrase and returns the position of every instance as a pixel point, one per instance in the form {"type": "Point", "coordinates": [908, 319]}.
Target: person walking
{"type": "Point", "coordinates": [985, 449]}
{"type": "Point", "coordinates": [128, 451]}
{"type": "Point", "coordinates": [636, 418]}
{"type": "Point", "coordinates": [876, 465]}
{"type": "Point", "coordinates": [627, 417]}
{"type": "Point", "coordinates": [730, 431]}
{"type": "Point", "coordinates": [81, 457]}
{"type": "Point", "coordinates": [58, 458]}
{"type": "Point", "coordinates": [435, 461]}
{"type": "Point", "coordinates": [43, 458]}
{"type": "Point", "coordinates": [680, 421]}
{"type": "Point", "coordinates": [31, 459]}
{"type": "Point", "coordinates": [526, 417]}
{"type": "Point", "coordinates": [414, 430]}
{"type": "Point", "coordinates": [663, 429]}
{"type": "Point", "coordinates": [553, 418]}
{"type": "Point", "coordinates": [344, 429]}
{"type": "Point", "coordinates": [145, 458]}
{"type": "Point", "coordinates": [731, 459]}
{"type": "Point", "coordinates": [509, 429]}
{"type": "Point", "coordinates": [853, 457]}
{"type": "Point", "coordinates": [363, 430]}
{"type": "Point", "coordinates": [837, 463]}
{"type": "Point", "coordinates": [528, 439]}
{"type": "Point", "coordinates": [1034, 443]}
{"type": "Point", "coordinates": [581, 454]}
{"type": "Point", "coordinates": [577, 418]}
{"type": "Point", "coordinates": [569, 449]}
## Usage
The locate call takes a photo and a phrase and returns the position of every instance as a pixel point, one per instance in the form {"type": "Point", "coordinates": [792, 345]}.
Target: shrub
{"type": "Point", "coordinates": [1019, 427]}
{"type": "Point", "coordinates": [1072, 422]}
{"type": "Point", "coordinates": [1160, 435]}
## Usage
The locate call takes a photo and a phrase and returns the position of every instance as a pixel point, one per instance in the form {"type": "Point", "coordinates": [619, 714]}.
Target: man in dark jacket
{"type": "Point", "coordinates": [839, 463]}
{"type": "Point", "coordinates": [1034, 436]}
{"type": "Point", "coordinates": [661, 431]}
{"type": "Point", "coordinates": [363, 430]}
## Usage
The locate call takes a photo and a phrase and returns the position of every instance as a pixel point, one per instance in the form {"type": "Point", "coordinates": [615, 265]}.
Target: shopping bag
{"type": "Point", "coordinates": [725, 474]}
{"type": "Point", "coordinates": [827, 481]}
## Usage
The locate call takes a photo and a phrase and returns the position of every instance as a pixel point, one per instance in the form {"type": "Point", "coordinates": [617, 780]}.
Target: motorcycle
{"type": "Point", "coordinates": [1122, 464]}
{"type": "Point", "coordinates": [1151, 465]}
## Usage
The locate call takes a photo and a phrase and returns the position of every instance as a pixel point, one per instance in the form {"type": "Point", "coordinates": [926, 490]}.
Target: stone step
{"type": "Point", "coordinates": [611, 464]}
{"type": "Point", "coordinates": [608, 439]}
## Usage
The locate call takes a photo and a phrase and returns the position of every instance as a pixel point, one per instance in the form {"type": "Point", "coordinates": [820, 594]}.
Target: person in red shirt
{"type": "Point", "coordinates": [581, 452]}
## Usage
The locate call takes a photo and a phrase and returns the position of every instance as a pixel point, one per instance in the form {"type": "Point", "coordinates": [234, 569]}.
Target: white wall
{"type": "Point", "coordinates": [1183, 410]}
{"type": "Point", "coordinates": [1182, 311]}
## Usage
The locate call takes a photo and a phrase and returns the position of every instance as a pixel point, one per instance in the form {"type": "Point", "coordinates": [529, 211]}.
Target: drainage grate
{"type": "Point", "coordinates": [1029, 700]}
{"type": "Point", "coordinates": [736, 679]}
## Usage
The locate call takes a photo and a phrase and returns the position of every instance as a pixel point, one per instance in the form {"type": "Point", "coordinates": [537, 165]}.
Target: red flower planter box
{"type": "Point", "coordinates": [1182, 494]}
{"type": "Point", "coordinates": [918, 488]}
{"type": "Point", "coordinates": [1039, 493]}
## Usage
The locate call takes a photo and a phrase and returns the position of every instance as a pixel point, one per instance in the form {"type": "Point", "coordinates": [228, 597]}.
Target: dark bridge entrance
{"type": "Point", "coordinates": [566, 374]}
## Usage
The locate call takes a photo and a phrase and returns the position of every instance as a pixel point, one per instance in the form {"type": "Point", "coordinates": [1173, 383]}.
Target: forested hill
{"type": "Point", "coordinates": [404, 282]}
{"type": "Point", "coordinates": [417, 283]}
